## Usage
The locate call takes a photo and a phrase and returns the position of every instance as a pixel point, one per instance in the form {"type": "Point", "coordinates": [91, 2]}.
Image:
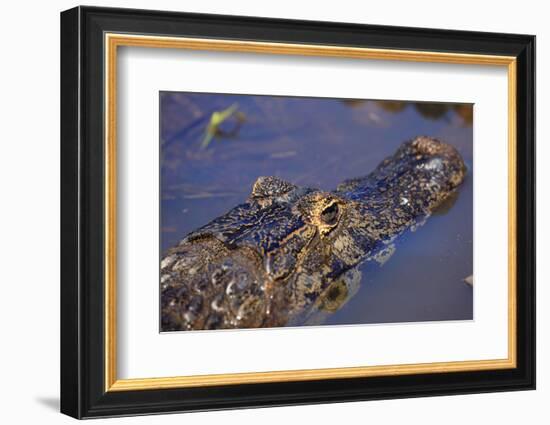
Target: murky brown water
{"type": "Point", "coordinates": [318, 143]}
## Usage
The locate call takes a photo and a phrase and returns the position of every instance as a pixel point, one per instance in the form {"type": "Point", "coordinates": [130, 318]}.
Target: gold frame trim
{"type": "Point", "coordinates": [113, 41]}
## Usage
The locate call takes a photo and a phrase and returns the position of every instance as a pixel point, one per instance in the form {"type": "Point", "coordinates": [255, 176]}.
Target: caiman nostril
{"type": "Point", "coordinates": [427, 145]}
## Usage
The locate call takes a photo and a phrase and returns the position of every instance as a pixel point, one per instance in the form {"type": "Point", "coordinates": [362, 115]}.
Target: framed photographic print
{"type": "Point", "coordinates": [262, 212]}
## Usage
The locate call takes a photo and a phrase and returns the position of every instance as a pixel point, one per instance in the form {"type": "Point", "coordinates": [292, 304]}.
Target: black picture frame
{"type": "Point", "coordinates": [83, 392]}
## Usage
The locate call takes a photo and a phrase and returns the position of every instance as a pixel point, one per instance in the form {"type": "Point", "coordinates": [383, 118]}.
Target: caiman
{"type": "Point", "coordinates": [284, 253]}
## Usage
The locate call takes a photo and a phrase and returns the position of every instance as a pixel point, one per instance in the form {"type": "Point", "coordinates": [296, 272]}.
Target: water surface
{"type": "Point", "coordinates": [319, 142]}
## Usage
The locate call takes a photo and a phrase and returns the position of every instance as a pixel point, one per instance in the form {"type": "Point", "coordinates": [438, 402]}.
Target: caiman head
{"type": "Point", "coordinates": [268, 260]}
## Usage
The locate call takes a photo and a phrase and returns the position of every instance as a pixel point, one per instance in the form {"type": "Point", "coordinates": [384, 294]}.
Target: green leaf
{"type": "Point", "coordinates": [216, 119]}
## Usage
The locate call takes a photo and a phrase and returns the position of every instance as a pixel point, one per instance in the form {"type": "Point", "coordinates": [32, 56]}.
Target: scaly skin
{"type": "Point", "coordinates": [273, 259]}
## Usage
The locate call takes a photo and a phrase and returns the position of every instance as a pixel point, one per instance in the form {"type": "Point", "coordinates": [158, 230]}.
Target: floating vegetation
{"type": "Point", "coordinates": [353, 102]}
{"type": "Point", "coordinates": [392, 105]}
{"type": "Point", "coordinates": [430, 110]}
{"type": "Point", "coordinates": [216, 119]}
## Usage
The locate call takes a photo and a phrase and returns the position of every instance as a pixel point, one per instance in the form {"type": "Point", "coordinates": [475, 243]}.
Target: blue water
{"type": "Point", "coordinates": [319, 142]}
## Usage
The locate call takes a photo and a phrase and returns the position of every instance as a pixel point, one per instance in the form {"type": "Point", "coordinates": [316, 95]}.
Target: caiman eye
{"type": "Point", "coordinates": [330, 214]}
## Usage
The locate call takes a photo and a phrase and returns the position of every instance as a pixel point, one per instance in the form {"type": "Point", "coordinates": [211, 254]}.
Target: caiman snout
{"type": "Point", "coordinates": [439, 155]}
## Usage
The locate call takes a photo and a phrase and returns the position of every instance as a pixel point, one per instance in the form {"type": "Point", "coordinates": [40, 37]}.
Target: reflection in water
{"type": "Point", "coordinates": [334, 298]}
{"type": "Point", "coordinates": [319, 143]}
{"type": "Point", "coordinates": [446, 205]}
